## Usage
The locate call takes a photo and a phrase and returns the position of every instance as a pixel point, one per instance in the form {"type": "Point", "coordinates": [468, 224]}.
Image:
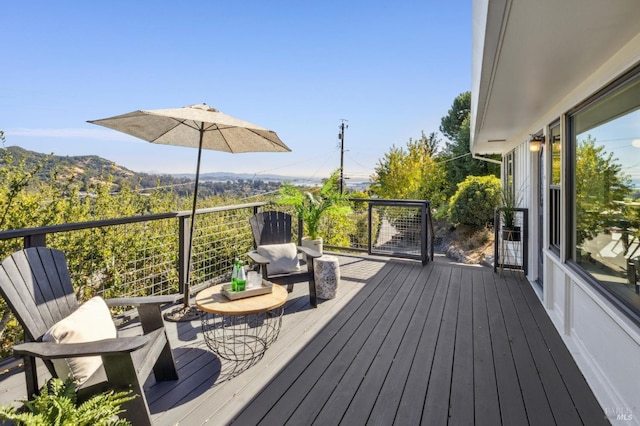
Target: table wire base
{"type": "Point", "coordinates": [241, 338]}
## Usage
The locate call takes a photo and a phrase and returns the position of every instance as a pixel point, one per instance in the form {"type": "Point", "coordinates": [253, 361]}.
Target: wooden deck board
{"type": "Point", "coordinates": [413, 398]}
{"type": "Point", "coordinates": [388, 399]}
{"type": "Point", "coordinates": [335, 356]}
{"type": "Point", "coordinates": [436, 407]}
{"type": "Point", "coordinates": [462, 380]}
{"type": "Point", "coordinates": [512, 410]}
{"type": "Point", "coordinates": [562, 408]}
{"type": "Point", "coordinates": [533, 394]}
{"type": "Point", "coordinates": [487, 405]}
{"type": "Point", "coordinates": [284, 386]}
{"type": "Point", "coordinates": [578, 390]}
{"type": "Point", "coordinates": [400, 344]}
{"type": "Point", "coordinates": [371, 366]}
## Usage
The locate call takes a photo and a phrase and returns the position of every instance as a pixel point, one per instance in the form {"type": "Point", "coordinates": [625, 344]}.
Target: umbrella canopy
{"type": "Point", "coordinates": [198, 126]}
{"type": "Point", "coordinates": [185, 126]}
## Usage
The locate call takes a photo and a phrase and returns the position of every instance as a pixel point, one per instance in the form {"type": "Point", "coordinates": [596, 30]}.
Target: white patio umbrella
{"type": "Point", "coordinates": [197, 126]}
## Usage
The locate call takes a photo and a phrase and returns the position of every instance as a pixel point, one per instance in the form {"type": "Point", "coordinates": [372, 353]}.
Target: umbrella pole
{"type": "Point", "coordinates": [186, 312]}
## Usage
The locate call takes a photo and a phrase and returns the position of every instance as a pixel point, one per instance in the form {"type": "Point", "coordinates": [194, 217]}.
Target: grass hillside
{"type": "Point", "coordinates": [90, 171]}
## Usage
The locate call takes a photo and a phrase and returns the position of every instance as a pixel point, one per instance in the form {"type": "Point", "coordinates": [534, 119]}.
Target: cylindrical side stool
{"type": "Point", "coordinates": [326, 272]}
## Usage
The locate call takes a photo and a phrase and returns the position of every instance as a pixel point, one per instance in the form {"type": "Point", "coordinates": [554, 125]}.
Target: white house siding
{"type": "Point", "coordinates": [603, 341]}
{"type": "Point", "coordinates": [524, 79]}
{"type": "Point", "coordinates": [604, 344]}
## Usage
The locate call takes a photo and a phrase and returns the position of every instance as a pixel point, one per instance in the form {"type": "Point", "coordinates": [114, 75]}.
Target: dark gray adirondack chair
{"type": "Point", "coordinates": [36, 285]}
{"type": "Point", "coordinates": [271, 227]}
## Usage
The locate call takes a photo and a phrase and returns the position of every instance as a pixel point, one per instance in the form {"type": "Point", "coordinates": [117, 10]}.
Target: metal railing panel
{"type": "Point", "coordinates": [510, 246]}
{"type": "Point", "coordinates": [146, 255]}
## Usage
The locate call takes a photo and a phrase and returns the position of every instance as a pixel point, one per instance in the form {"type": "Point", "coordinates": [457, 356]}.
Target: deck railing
{"type": "Point", "coordinates": [146, 255]}
{"type": "Point", "coordinates": [510, 244]}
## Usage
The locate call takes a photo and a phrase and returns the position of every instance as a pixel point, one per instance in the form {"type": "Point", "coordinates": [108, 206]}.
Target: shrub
{"type": "Point", "coordinates": [57, 405]}
{"type": "Point", "coordinates": [475, 201]}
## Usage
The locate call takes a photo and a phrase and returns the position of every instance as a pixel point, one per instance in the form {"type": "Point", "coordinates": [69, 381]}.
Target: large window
{"type": "Point", "coordinates": [605, 175]}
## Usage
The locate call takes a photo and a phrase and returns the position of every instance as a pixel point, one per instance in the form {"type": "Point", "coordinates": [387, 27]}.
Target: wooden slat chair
{"type": "Point", "coordinates": [272, 227]}
{"type": "Point", "coordinates": [36, 285]}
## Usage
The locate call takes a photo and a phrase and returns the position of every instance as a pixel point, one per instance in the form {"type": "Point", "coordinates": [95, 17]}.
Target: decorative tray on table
{"type": "Point", "coordinates": [265, 288]}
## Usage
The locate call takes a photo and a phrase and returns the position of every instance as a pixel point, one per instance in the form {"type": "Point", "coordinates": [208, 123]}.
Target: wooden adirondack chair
{"type": "Point", "coordinates": [36, 285]}
{"type": "Point", "coordinates": [272, 227]}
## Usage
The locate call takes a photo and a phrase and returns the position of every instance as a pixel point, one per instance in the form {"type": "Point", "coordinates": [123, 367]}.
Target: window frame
{"type": "Point", "coordinates": [509, 171]}
{"type": "Point", "coordinates": [555, 234]}
{"type": "Point", "coordinates": [568, 180]}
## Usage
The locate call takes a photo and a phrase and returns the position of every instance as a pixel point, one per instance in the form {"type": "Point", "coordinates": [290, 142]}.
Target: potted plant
{"type": "Point", "coordinates": [310, 206]}
{"type": "Point", "coordinates": [510, 201]}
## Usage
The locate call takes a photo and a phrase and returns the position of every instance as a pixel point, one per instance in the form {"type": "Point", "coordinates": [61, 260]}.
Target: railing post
{"type": "Point", "coordinates": [496, 230]}
{"type": "Point", "coordinates": [300, 230]}
{"type": "Point", "coordinates": [423, 234]}
{"type": "Point", "coordinates": [525, 241]}
{"type": "Point", "coordinates": [369, 230]}
{"type": "Point", "coordinates": [183, 262]}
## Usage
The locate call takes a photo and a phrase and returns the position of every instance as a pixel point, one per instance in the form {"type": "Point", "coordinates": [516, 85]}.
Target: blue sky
{"type": "Point", "coordinates": [392, 69]}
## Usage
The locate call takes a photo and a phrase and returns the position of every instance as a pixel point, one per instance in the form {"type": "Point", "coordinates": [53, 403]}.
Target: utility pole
{"type": "Point", "coordinates": [343, 126]}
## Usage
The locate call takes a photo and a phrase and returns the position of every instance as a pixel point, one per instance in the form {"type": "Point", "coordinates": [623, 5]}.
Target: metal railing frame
{"type": "Point", "coordinates": [37, 236]}
{"type": "Point", "coordinates": [497, 252]}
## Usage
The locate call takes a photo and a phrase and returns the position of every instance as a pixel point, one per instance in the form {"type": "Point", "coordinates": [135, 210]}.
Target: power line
{"type": "Point", "coordinates": [451, 159]}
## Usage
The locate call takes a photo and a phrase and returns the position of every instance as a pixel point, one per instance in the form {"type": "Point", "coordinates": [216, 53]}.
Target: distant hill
{"type": "Point", "coordinates": [90, 170]}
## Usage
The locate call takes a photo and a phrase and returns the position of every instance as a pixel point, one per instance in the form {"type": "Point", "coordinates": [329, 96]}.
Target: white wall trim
{"type": "Point", "coordinates": [611, 311]}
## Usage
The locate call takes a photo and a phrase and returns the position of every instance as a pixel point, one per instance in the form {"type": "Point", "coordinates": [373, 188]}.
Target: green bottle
{"type": "Point", "coordinates": [241, 278]}
{"type": "Point", "coordinates": [234, 275]}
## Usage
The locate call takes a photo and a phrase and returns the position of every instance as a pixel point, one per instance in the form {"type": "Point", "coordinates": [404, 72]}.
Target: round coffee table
{"type": "Point", "coordinates": [241, 330]}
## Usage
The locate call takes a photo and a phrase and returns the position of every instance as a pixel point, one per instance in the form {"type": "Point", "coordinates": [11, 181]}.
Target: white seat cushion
{"type": "Point", "coordinates": [90, 322]}
{"type": "Point", "coordinates": [283, 258]}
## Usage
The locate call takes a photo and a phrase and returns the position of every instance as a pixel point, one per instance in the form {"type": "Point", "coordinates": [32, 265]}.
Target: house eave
{"type": "Point", "coordinates": [530, 56]}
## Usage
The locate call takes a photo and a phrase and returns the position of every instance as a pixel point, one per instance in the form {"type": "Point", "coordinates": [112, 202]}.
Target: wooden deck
{"type": "Point", "coordinates": [401, 344]}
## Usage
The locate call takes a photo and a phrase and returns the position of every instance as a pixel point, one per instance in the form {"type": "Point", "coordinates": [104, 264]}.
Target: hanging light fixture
{"type": "Point", "coordinates": [536, 142]}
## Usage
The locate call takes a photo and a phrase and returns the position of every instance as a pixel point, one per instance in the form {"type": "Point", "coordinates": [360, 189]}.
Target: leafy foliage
{"type": "Point", "coordinates": [510, 201]}
{"type": "Point", "coordinates": [29, 201]}
{"type": "Point", "coordinates": [460, 110]}
{"type": "Point", "coordinates": [411, 173]}
{"type": "Point", "coordinates": [456, 126]}
{"type": "Point", "coordinates": [359, 221]}
{"type": "Point", "coordinates": [312, 205]}
{"type": "Point", "coordinates": [90, 171]}
{"type": "Point", "coordinates": [475, 201]}
{"type": "Point", "coordinates": [600, 184]}
{"type": "Point", "coordinates": [57, 405]}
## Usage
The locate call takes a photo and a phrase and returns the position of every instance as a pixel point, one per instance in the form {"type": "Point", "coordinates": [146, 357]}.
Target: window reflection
{"type": "Point", "coordinates": [554, 189]}
{"type": "Point", "coordinates": [607, 192]}
{"type": "Point", "coordinates": [555, 156]}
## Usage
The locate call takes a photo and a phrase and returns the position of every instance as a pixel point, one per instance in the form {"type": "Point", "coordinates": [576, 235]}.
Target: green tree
{"type": "Point", "coordinates": [460, 109]}
{"type": "Point", "coordinates": [601, 186]}
{"type": "Point", "coordinates": [456, 126]}
{"type": "Point", "coordinates": [19, 209]}
{"type": "Point", "coordinates": [99, 259]}
{"type": "Point", "coordinates": [411, 172]}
